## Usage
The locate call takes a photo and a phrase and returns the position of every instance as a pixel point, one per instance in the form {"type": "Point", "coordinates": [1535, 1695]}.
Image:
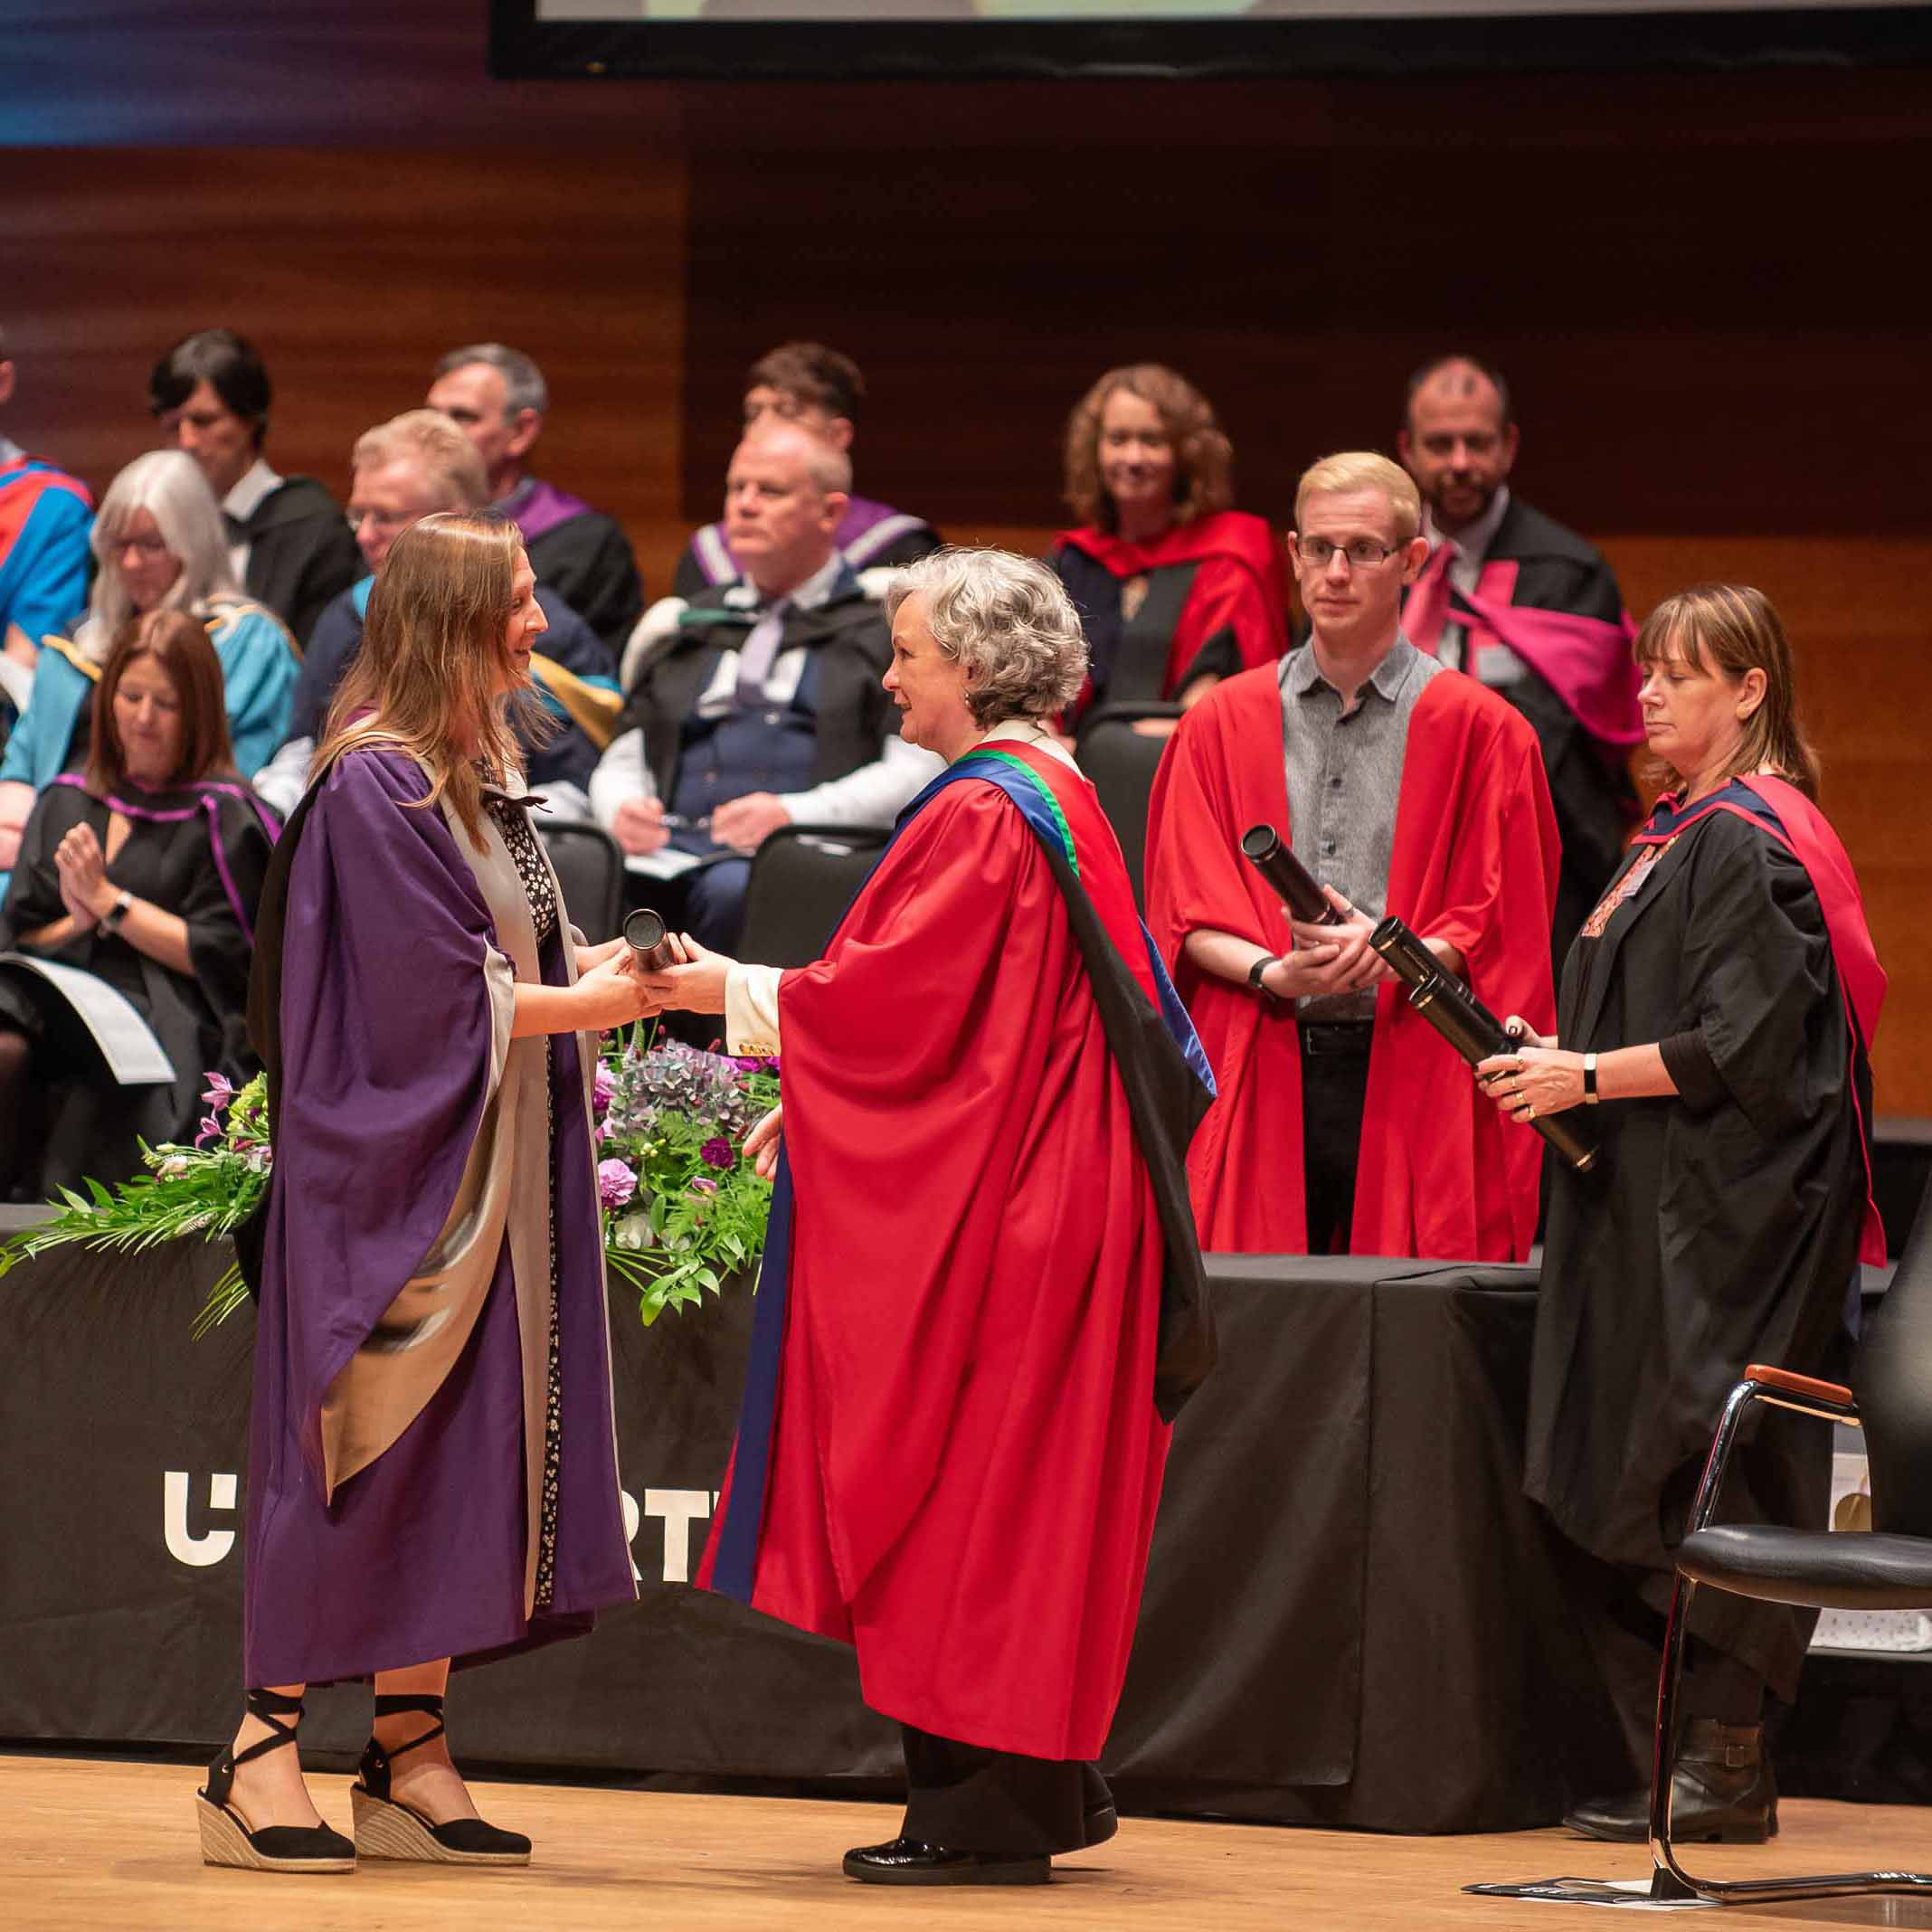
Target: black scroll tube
{"type": "Point", "coordinates": [1468, 1026]}
{"type": "Point", "coordinates": [651, 948]}
{"type": "Point", "coordinates": [1290, 880]}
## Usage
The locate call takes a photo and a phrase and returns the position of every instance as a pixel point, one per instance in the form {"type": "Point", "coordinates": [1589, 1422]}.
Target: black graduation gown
{"type": "Point", "coordinates": [1716, 1229]}
{"type": "Point", "coordinates": [301, 553]}
{"type": "Point", "coordinates": [588, 562]}
{"type": "Point", "coordinates": [171, 862]}
{"type": "Point", "coordinates": [1589, 781]}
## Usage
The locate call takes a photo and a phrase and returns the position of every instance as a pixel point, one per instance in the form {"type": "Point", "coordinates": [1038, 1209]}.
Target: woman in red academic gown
{"type": "Point", "coordinates": [1176, 589]}
{"type": "Point", "coordinates": [981, 1301]}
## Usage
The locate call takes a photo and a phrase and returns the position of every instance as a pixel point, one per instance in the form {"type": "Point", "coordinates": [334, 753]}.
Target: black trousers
{"type": "Point", "coordinates": [971, 1799]}
{"type": "Point", "coordinates": [1334, 1084]}
{"type": "Point", "coordinates": [1625, 1637]}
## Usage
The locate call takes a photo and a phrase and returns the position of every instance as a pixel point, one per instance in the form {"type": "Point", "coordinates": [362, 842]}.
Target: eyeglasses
{"type": "Point", "coordinates": [377, 519]}
{"type": "Point", "coordinates": [148, 547]}
{"type": "Point", "coordinates": [1363, 552]}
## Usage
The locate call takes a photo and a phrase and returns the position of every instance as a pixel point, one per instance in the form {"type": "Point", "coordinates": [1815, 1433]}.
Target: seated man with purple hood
{"type": "Point", "coordinates": [498, 398]}
{"type": "Point", "coordinates": [820, 390]}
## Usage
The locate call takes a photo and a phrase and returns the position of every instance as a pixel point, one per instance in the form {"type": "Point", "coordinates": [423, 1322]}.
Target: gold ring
{"type": "Point", "coordinates": [1532, 1114]}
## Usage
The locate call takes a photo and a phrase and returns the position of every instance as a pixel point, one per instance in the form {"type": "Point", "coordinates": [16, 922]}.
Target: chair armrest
{"type": "Point", "coordinates": [1784, 1380]}
{"type": "Point", "coordinates": [1827, 1401]}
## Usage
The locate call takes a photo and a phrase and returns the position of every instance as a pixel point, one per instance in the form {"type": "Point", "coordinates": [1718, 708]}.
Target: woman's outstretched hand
{"type": "Point", "coordinates": [696, 987]}
{"type": "Point", "coordinates": [761, 1143]}
{"type": "Point", "coordinates": [611, 995]}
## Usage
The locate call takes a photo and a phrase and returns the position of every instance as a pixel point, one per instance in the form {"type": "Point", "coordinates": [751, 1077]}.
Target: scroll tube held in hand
{"type": "Point", "coordinates": [652, 949]}
{"type": "Point", "coordinates": [1291, 882]}
{"type": "Point", "coordinates": [1468, 1025]}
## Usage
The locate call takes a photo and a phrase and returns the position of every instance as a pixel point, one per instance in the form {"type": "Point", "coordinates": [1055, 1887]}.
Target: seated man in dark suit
{"type": "Point", "coordinates": [757, 704]}
{"type": "Point", "coordinates": [820, 390]}
{"type": "Point", "coordinates": [1530, 608]}
{"type": "Point", "coordinates": [498, 398]}
{"type": "Point", "coordinates": [287, 540]}
{"type": "Point", "coordinates": [404, 468]}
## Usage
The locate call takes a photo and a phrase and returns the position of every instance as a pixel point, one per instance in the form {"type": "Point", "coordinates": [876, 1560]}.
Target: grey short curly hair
{"type": "Point", "coordinates": [1009, 621]}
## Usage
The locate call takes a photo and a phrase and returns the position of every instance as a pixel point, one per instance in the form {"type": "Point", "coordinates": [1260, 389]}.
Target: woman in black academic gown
{"type": "Point", "coordinates": [143, 870]}
{"type": "Point", "coordinates": [1718, 1003]}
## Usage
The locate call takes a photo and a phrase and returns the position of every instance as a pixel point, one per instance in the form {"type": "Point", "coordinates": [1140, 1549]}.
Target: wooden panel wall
{"type": "Point", "coordinates": [353, 270]}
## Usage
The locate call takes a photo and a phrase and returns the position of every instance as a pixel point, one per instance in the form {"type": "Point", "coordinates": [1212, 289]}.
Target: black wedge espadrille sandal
{"type": "Point", "coordinates": [387, 1828]}
{"type": "Point", "coordinates": [225, 1836]}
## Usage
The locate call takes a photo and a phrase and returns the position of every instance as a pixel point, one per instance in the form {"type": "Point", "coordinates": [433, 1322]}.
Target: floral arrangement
{"type": "Point", "coordinates": [682, 1209]}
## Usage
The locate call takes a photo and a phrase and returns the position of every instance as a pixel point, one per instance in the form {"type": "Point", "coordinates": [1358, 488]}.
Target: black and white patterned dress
{"type": "Point", "coordinates": [511, 817]}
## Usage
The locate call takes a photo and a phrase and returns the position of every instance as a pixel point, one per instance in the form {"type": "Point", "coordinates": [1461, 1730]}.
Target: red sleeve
{"type": "Point", "coordinates": [904, 1058]}
{"type": "Point", "coordinates": [1442, 1174]}
{"type": "Point", "coordinates": [1220, 774]}
{"type": "Point", "coordinates": [1201, 803]}
{"type": "Point", "coordinates": [1228, 595]}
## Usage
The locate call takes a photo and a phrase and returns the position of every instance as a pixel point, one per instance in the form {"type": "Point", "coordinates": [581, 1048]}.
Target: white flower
{"type": "Point", "coordinates": [634, 1232]}
{"type": "Point", "coordinates": [173, 1168]}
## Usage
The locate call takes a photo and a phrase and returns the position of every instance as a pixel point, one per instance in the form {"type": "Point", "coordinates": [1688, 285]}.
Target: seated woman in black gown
{"type": "Point", "coordinates": [143, 870]}
{"type": "Point", "coordinates": [1719, 1003]}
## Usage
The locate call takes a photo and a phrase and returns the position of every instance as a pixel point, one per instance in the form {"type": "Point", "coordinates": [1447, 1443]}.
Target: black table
{"type": "Point", "coordinates": [1351, 1615]}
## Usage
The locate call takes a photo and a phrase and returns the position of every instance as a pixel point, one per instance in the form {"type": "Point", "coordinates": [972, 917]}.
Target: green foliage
{"type": "Point", "coordinates": [692, 1212]}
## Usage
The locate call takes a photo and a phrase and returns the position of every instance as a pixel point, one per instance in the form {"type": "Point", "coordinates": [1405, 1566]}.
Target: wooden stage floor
{"type": "Point", "coordinates": [86, 1843]}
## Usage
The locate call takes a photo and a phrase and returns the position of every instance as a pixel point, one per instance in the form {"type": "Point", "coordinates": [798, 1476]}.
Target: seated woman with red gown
{"type": "Point", "coordinates": [1176, 589]}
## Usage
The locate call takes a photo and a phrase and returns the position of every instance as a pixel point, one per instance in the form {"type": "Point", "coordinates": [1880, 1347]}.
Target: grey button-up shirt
{"type": "Point", "coordinates": [1344, 778]}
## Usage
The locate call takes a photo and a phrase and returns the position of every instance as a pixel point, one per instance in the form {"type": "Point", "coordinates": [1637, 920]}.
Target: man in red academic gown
{"type": "Point", "coordinates": [1345, 1123]}
{"type": "Point", "coordinates": [981, 1299]}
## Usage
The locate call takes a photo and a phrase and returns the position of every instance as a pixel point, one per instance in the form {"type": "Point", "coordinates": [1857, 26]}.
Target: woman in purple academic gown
{"type": "Point", "coordinates": [433, 1465]}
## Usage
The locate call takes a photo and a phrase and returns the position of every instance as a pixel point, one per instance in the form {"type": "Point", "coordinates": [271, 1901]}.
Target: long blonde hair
{"type": "Point", "coordinates": [429, 677]}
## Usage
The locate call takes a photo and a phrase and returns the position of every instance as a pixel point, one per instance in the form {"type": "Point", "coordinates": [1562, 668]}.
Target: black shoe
{"type": "Point", "coordinates": [909, 1862]}
{"type": "Point", "coordinates": [1101, 1823]}
{"type": "Point", "coordinates": [1722, 1789]}
{"type": "Point", "coordinates": [385, 1827]}
{"type": "Point", "coordinates": [225, 1836]}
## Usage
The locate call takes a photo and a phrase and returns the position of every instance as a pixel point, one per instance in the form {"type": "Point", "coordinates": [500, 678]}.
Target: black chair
{"type": "Point", "coordinates": [590, 867]}
{"type": "Point", "coordinates": [1121, 763]}
{"type": "Point", "coordinates": [1889, 1568]}
{"type": "Point", "coordinates": [803, 876]}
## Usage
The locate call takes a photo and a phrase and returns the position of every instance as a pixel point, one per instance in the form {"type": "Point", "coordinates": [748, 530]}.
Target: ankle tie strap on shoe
{"type": "Point", "coordinates": [394, 1706]}
{"type": "Point", "coordinates": [269, 1707]}
{"type": "Point", "coordinates": [377, 1759]}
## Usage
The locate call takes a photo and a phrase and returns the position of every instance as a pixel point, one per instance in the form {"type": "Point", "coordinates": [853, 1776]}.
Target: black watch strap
{"type": "Point", "coordinates": [1255, 971]}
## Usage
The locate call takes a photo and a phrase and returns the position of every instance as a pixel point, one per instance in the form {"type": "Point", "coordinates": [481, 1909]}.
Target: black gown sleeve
{"type": "Point", "coordinates": [219, 902]}
{"type": "Point", "coordinates": [34, 890]}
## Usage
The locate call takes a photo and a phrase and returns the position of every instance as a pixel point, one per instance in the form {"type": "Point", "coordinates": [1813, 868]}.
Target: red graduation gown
{"type": "Point", "coordinates": [1441, 1174]}
{"type": "Point", "coordinates": [965, 1457]}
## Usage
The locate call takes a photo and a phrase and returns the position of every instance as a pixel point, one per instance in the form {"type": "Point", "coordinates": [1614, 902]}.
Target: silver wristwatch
{"type": "Point", "coordinates": [110, 920]}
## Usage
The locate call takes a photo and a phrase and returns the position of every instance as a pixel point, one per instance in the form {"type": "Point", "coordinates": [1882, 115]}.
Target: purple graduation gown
{"type": "Point", "coordinates": [402, 1342]}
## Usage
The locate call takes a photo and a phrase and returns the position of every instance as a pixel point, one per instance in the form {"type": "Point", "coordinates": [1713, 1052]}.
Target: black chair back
{"type": "Point", "coordinates": [803, 876]}
{"type": "Point", "coordinates": [1120, 762]}
{"type": "Point", "coordinates": [1893, 1380]}
{"type": "Point", "coordinates": [590, 866]}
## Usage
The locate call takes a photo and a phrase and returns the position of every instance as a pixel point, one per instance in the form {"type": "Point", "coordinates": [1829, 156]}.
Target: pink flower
{"type": "Point", "coordinates": [703, 1184]}
{"type": "Point", "coordinates": [615, 1183]}
{"type": "Point", "coordinates": [211, 1130]}
{"type": "Point", "coordinates": [220, 1091]}
{"type": "Point", "coordinates": [717, 1153]}
{"type": "Point", "coordinates": [603, 1084]}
